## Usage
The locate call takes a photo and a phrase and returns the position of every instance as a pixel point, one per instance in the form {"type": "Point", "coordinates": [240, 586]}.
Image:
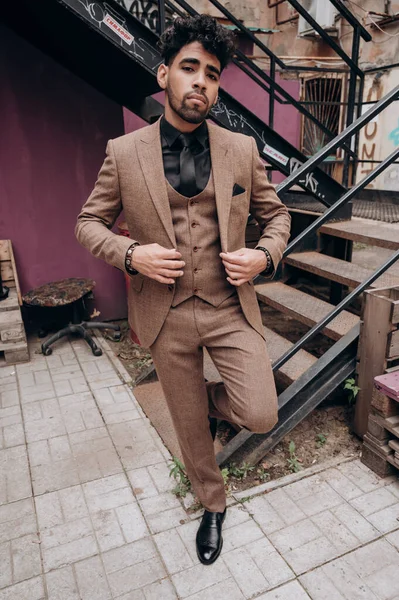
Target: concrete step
{"type": "Point", "coordinates": [357, 230]}
{"type": "Point", "coordinates": [305, 308]}
{"type": "Point", "coordinates": [337, 270]}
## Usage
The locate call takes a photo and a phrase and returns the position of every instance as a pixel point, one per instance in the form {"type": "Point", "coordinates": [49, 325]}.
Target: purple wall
{"type": "Point", "coordinates": [54, 129]}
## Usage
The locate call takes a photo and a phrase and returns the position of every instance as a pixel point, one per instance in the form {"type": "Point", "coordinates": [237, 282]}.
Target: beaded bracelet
{"type": "Point", "coordinates": [128, 259]}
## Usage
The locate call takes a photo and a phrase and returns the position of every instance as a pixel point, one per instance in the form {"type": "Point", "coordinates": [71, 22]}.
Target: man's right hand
{"type": "Point", "coordinates": [158, 263]}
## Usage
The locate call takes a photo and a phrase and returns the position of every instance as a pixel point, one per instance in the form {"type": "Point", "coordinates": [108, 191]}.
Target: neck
{"type": "Point", "coordinates": [180, 124]}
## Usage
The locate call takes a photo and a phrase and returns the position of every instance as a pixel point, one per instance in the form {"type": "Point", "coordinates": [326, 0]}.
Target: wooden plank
{"type": "Point", "coordinates": [391, 294]}
{"type": "Point", "coordinates": [10, 303]}
{"type": "Point", "coordinates": [15, 274]}
{"type": "Point", "coordinates": [4, 250]}
{"type": "Point", "coordinates": [393, 344]}
{"type": "Point", "coordinates": [372, 344]}
{"type": "Point", "coordinates": [338, 270]}
{"type": "Point", "coordinates": [305, 308]}
{"type": "Point", "coordinates": [357, 230]}
{"type": "Point", "coordinates": [7, 273]}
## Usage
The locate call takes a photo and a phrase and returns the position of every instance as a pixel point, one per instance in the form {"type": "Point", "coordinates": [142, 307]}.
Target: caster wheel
{"type": "Point", "coordinates": [47, 351]}
{"type": "Point", "coordinates": [117, 336]}
{"type": "Point", "coordinates": [97, 352]}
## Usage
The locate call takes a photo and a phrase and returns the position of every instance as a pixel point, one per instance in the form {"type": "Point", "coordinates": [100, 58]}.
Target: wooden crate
{"type": "Point", "coordinates": [378, 344]}
{"type": "Point", "coordinates": [12, 331]}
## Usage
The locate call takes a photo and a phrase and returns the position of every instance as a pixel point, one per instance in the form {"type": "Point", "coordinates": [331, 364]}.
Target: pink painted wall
{"type": "Point", "coordinates": [54, 129]}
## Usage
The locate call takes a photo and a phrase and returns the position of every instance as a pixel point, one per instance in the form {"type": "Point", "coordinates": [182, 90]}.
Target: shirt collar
{"type": "Point", "coordinates": [170, 133]}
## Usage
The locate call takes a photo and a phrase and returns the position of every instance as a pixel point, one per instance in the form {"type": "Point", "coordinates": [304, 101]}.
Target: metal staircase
{"type": "Point", "coordinates": [104, 44]}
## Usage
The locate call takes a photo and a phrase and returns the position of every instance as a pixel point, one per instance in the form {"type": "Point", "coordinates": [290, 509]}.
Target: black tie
{"type": "Point", "coordinates": [188, 184]}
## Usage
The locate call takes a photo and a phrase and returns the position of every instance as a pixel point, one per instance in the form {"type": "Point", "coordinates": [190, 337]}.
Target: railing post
{"type": "Point", "coordinates": [351, 100]}
{"type": "Point", "coordinates": [271, 93]}
{"type": "Point", "coordinates": [161, 16]}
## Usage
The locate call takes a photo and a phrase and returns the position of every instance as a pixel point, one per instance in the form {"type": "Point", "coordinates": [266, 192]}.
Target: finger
{"type": "Point", "coordinates": [168, 273]}
{"type": "Point", "coordinates": [171, 264]}
{"type": "Point", "coordinates": [233, 259]}
{"type": "Point", "coordinates": [235, 272]}
{"type": "Point", "coordinates": [170, 254]}
{"type": "Point", "coordinates": [163, 279]}
{"type": "Point", "coordinates": [236, 282]}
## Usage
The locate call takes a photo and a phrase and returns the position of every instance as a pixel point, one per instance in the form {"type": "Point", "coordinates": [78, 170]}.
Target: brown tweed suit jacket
{"type": "Point", "coordinates": [132, 178]}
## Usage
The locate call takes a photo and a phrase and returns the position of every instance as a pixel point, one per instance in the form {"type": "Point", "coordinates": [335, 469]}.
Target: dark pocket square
{"type": "Point", "coordinates": [237, 189]}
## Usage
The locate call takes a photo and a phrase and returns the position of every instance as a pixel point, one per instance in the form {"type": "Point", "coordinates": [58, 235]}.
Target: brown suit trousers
{"type": "Point", "coordinates": [248, 396]}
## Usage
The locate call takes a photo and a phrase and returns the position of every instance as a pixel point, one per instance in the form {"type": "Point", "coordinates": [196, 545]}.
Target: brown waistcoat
{"type": "Point", "coordinates": [198, 240]}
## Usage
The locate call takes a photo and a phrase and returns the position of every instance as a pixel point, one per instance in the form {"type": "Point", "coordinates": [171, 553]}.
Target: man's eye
{"type": "Point", "coordinates": [212, 77]}
{"type": "Point", "coordinates": [188, 69]}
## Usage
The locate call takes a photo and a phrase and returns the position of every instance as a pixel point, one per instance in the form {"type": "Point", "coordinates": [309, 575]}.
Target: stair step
{"type": "Point", "coordinates": [358, 230]}
{"type": "Point", "coordinates": [305, 308]}
{"type": "Point", "coordinates": [296, 366]}
{"type": "Point", "coordinates": [338, 270]}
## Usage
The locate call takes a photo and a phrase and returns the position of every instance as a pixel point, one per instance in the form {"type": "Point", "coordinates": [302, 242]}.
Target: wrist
{"type": "Point", "coordinates": [129, 259]}
{"type": "Point", "coordinates": [269, 261]}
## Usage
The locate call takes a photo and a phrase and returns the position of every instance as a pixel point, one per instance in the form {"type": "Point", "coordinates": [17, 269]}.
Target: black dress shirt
{"type": "Point", "coordinates": [171, 148]}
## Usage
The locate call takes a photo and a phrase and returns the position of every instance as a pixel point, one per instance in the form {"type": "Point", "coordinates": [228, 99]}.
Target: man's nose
{"type": "Point", "coordinates": [200, 80]}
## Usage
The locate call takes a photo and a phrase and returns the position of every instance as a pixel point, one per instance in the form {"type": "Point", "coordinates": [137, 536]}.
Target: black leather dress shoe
{"type": "Point", "coordinates": [209, 537]}
{"type": "Point", "coordinates": [213, 425]}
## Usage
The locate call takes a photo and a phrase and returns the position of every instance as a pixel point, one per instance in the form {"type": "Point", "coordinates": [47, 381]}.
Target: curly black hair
{"type": "Point", "coordinates": [204, 29]}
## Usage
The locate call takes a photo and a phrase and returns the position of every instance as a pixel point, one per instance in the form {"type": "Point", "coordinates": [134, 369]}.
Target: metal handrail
{"type": "Point", "coordinates": [328, 318]}
{"type": "Point", "coordinates": [308, 166]}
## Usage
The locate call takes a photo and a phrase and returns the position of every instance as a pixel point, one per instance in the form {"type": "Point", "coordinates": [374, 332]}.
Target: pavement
{"type": "Point", "coordinates": [87, 512]}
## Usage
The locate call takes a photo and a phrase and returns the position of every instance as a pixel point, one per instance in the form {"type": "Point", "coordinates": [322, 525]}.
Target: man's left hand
{"type": "Point", "coordinates": [243, 265]}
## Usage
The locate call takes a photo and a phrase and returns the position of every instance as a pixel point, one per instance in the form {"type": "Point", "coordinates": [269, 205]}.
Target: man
{"type": "Point", "coordinates": [186, 187]}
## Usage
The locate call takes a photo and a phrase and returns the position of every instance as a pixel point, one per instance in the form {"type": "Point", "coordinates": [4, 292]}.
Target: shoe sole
{"type": "Point", "coordinates": [213, 559]}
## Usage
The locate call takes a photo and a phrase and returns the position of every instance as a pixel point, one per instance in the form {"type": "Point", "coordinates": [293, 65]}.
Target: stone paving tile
{"type": "Point", "coordinates": [32, 589]}
{"type": "Point", "coordinates": [162, 589]}
{"type": "Point", "coordinates": [199, 578]}
{"type": "Point", "coordinates": [289, 591]}
{"type": "Point", "coordinates": [168, 519]}
{"type": "Point", "coordinates": [14, 475]}
{"type": "Point", "coordinates": [142, 483]}
{"type": "Point", "coordinates": [61, 584]}
{"type": "Point", "coordinates": [272, 566]}
{"type": "Point", "coordinates": [9, 397]}
{"type": "Point", "coordinates": [67, 543]}
{"type": "Point", "coordinates": [135, 444]}
{"type": "Point", "coordinates": [226, 590]}
{"type": "Point", "coordinates": [346, 488]}
{"type": "Point", "coordinates": [117, 405]}
{"type": "Point", "coordinates": [17, 519]}
{"type": "Point", "coordinates": [246, 573]}
{"type": "Point", "coordinates": [264, 514]}
{"type": "Point", "coordinates": [313, 495]}
{"type": "Point", "coordinates": [386, 520]}
{"type": "Point", "coordinates": [173, 551]}
{"type": "Point", "coordinates": [132, 567]}
{"type": "Point", "coordinates": [91, 579]}
{"type": "Point", "coordinates": [363, 477]}
{"type": "Point", "coordinates": [374, 501]}
{"type": "Point", "coordinates": [366, 573]}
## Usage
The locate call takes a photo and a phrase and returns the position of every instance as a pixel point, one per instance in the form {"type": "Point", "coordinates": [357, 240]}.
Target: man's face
{"type": "Point", "coordinates": [191, 83]}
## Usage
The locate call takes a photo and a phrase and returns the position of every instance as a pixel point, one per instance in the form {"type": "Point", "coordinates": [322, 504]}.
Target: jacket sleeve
{"type": "Point", "coordinates": [268, 210]}
{"type": "Point", "coordinates": [99, 214]}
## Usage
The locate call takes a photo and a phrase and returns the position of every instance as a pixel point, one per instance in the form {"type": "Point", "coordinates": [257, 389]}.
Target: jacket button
{"type": "Point", "coordinates": [195, 249]}
{"type": "Point", "coordinates": [195, 270]}
{"type": "Point", "coordinates": [170, 288]}
{"type": "Point", "coordinates": [195, 290]}
{"type": "Point", "coordinates": [194, 224]}
{"type": "Point", "coordinates": [192, 202]}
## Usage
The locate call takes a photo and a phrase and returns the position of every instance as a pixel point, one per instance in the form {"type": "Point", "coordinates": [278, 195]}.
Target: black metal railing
{"type": "Point", "coordinates": [276, 92]}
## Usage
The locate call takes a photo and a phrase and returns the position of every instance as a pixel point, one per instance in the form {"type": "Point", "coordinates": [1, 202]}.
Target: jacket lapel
{"type": "Point", "coordinates": [150, 157]}
{"type": "Point", "coordinates": [222, 170]}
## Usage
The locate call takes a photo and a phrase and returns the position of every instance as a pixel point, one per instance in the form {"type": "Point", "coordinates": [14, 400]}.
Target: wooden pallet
{"type": "Point", "coordinates": [12, 331]}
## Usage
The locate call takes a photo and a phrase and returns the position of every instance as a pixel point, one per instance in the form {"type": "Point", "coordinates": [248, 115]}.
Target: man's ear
{"type": "Point", "coordinates": [162, 76]}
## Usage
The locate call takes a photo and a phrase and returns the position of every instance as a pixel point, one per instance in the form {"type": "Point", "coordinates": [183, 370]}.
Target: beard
{"type": "Point", "coordinates": [195, 114]}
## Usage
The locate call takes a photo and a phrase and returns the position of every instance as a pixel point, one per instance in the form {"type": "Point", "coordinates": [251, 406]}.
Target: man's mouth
{"type": "Point", "coordinates": [198, 97]}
